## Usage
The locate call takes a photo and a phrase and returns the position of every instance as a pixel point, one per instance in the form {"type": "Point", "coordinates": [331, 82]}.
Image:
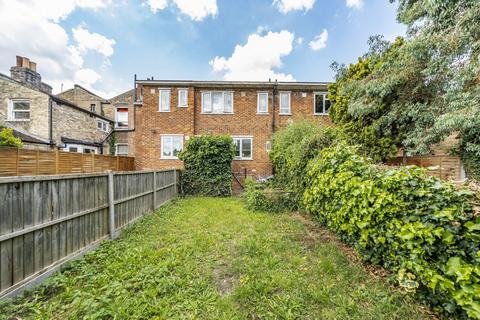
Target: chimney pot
{"type": "Point", "coordinates": [33, 66]}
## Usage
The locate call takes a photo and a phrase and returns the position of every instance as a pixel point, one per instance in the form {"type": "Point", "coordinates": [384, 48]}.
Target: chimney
{"type": "Point", "coordinates": [26, 73]}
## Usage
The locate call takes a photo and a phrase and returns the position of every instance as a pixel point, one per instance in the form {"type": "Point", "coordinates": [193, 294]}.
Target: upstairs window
{"type": "Point", "coordinates": [285, 103]}
{"type": "Point", "coordinates": [243, 149]}
{"type": "Point", "coordinates": [19, 110]}
{"type": "Point", "coordinates": [171, 145]}
{"type": "Point", "coordinates": [322, 104]}
{"type": "Point", "coordinates": [262, 102]}
{"type": "Point", "coordinates": [217, 102]}
{"type": "Point", "coordinates": [93, 107]}
{"type": "Point", "coordinates": [121, 118]}
{"type": "Point", "coordinates": [183, 98]}
{"type": "Point", "coordinates": [102, 125]}
{"type": "Point", "coordinates": [164, 103]}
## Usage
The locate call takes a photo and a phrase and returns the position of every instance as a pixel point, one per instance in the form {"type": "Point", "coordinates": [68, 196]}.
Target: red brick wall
{"type": "Point", "coordinates": [243, 122]}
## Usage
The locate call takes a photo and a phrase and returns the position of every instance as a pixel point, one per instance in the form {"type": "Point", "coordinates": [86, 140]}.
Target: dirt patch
{"type": "Point", "coordinates": [223, 279]}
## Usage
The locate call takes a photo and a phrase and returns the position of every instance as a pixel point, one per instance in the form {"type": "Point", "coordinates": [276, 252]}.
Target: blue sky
{"type": "Point", "coordinates": [102, 43]}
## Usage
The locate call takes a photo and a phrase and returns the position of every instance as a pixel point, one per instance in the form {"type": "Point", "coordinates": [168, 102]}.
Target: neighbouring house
{"type": "Point", "coordinates": [43, 120]}
{"type": "Point", "coordinates": [116, 109]}
{"type": "Point", "coordinates": [168, 113]}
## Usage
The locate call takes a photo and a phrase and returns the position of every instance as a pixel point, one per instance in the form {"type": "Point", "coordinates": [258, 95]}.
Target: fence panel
{"type": "Point", "coordinates": [25, 162]}
{"type": "Point", "coordinates": [443, 167]}
{"type": "Point", "coordinates": [48, 220]}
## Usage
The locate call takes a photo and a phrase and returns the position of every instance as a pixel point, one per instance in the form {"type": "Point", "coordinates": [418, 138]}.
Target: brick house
{"type": "Point", "coordinates": [168, 113]}
{"type": "Point", "coordinates": [117, 109]}
{"type": "Point", "coordinates": [45, 121]}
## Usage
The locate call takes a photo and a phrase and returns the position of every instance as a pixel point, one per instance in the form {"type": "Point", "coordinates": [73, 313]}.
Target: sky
{"type": "Point", "coordinates": [101, 44]}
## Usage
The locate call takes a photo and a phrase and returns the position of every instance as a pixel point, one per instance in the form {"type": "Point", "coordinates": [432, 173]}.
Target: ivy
{"type": "Point", "coordinates": [208, 165]}
{"type": "Point", "coordinates": [417, 226]}
{"type": "Point", "coordinates": [8, 139]}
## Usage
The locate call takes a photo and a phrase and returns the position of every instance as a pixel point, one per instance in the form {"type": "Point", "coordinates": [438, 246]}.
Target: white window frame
{"type": "Point", "coordinates": [116, 149]}
{"type": "Point", "coordinates": [172, 157]}
{"type": "Point", "coordinates": [160, 100]}
{"type": "Point", "coordinates": [325, 98]}
{"type": "Point", "coordinates": [11, 112]}
{"type": "Point", "coordinates": [80, 148]}
{"type": "Point", "coordinates": [180, 91]}
{"type": "Point", "coordinates": [289, 103]}
{"type": "Point", "coordinates": [104, 126]}
{"type": "Point", "coordinates": [235, 138]}
{"type": "Point", "coordinates": [116, 117]}
{"type": "Point", "coordinates": [258, 102]}
{"type": "Point", "coordinates": [203, 93]}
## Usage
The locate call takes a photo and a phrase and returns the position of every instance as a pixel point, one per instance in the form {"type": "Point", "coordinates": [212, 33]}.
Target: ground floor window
{"type": "Point", "coordinates": [78, 148]}
{"type": "Point", "coordinates": [121, 149]}
{"type": "Point", "coordinates": [171, 145]}
{"type": "Point", "coordinates": [244, 146]}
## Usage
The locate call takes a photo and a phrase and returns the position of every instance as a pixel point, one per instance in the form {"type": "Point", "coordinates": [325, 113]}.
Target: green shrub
{"type": "Point", "coordinates": [264, 197]}
{"type": "Point", "coordinates": [417, 226]}
{"type": "Point", "coordinates": [208, 165]}
{"type": "Point", "coordinates": [8, 139]}
{"type": "Point", "coordinates": [292, 149]}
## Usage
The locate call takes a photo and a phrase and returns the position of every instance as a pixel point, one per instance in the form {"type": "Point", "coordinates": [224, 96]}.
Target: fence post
{"type": "Point", "coordinates": [111, 206]}
{"type": "Point", "coordinates": [18, 161]}
{"type": "Point", "coordinates": [93, 161]}
{"type": "Point", "coordinates": [175, 181]}
{"type": "Point", "coordinates": [57, 160]}
{"type": "Point", "coordinates": [154, 190]}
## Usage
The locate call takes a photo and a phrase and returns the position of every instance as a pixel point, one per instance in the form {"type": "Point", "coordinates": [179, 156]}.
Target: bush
{"type": "Point", "coordinates": [264, 197]}
{"type": "Point", "coordinates": [8, 139]}
{"type": "Point", "coordinates": [417, 226]}
{"type": "Point", "coordinates": [292, 149]}
{"type": "Point", "coordinates": [208, 166]}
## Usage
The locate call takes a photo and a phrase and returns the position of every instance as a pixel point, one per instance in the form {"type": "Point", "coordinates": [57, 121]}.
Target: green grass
{"type": "Point", "coordinates": [205, 258]}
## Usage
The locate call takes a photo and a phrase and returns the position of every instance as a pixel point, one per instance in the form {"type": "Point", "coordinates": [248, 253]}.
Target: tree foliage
{"type": "Point", "coordinates": [8, 139]}
{"type": "Point", "coordinates": [208, 165]}
{"type": "Point", "coordinates": [417, 91]}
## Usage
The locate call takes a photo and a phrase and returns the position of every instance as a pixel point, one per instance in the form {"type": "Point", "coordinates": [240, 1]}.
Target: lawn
{"type": "Point", "coordinates": [206, 258]}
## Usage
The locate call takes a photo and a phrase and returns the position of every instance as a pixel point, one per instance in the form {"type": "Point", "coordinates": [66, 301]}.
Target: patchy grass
{"type": "Point", "coordinates": [205, 258]}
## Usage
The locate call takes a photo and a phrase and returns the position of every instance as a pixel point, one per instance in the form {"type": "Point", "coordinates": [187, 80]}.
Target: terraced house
{"type": "Point", "coordinates": [168, 113]}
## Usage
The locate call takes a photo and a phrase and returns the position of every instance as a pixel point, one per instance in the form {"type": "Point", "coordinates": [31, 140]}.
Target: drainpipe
{"type": "Point", "coordinates": [50, 120]}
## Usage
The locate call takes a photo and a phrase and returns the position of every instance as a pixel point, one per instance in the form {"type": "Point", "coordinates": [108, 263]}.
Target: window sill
{"type": "Point", "coordinates": [119, 129]}
{"type": "Point", "coordinates": [320, 114]}
{"type": "Point", "coordinates": [169, 158]}
{"type": "Point", "coordinates": [217, 114]}
{"type": "Point", "coordinates": [243, 159]}
{"type": "Point", "coordinates": [18, 120]}
{"type": "Point", "coordinates": [163, 111]}
{"type": "Point", "coordinates": [285, 114]}
{"type": "Point", "coordinates": [263, 113]}
{"type": "Point", "coordinates": [182, 107]}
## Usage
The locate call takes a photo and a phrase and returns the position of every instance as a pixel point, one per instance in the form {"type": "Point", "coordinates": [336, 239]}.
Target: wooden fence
{"type": "Point", "coordinates": [443, 167]}
{"type": "Point", "coordinates": [48, 220]}
{"type": "Point", "coordinates": [25, 162]}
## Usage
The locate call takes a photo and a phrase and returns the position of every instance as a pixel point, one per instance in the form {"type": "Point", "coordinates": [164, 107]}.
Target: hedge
{"type": "Point", "coordinates": [208, 166]}
{"type": "Point", "coordinates": [417, 226]}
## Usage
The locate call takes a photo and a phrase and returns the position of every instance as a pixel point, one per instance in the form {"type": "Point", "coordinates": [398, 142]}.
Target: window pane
{"type": "Point", "coordinates": [99, 125]}
{"type": "Point", "coordinates": [21, 115]}
{"type": "Point", "coordinates": [319, 103]}
{"type": "Point", "coordinates": [122, 149]}
{"type": "Point", "coordinates": [21, 105]}
{"type": "Point", "coordinates": [167, 146]}
{"type": "Point", "coordinates": [182, 98]}
{"type": "Point", "coordinates": [164, 100]}
{"type": "Point", "coordinates": [217, 102]}
{"type": "Point", "coordinates": [246, 148]}
{"type": "Point", "coordinates": [327, 105]}
{"type": "Point", "coordinates": [228, 102]}
{"type": "Point", "coordinates": [73, 149]}
{"type": "Point", "coordinates": [207, 102]}
{"type": "Point", "coordinates": [284, 103]}
{"type": "Point", "coordinates": [177, 145]}
{"type": "Point", "coordinates": [237, 147]}
{"type": "Point", "coordinates": [122, 117]}
{"type": "Point", "coordinates": [263, 102]}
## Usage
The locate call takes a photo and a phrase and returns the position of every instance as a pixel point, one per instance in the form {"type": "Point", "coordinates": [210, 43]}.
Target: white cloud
{"type": "Point", "coordinates": [256, 59]}
{"type": "Point", "coordinates": [156, 5]}
{"type": "Point", "coordinates": [300, 41]}
{"type": "Point", "coordinates": [92, 41]}
{"type": "Point", "coordinates": [286, 6]}
{"type": "Point", "coordinates": [320, 41]}
{"type": "Point", "coordinates": [357, 4]}
{"type": "Point", "coordinates": [31, 29]}
{"type": "Point", "coordinates": [197, 10]}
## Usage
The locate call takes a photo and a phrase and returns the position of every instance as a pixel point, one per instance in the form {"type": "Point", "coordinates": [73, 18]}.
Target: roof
{"type": "Point", "coordinates": [237, 84]}
{"type": "Point", "coordinates": [27, 137]}
{"type": "Point", "coordinates": [75, 86]}
{"type": "Point", "coordinates": [120, 97]}
{"type": "Point", "coordinates": [82, 142]}
{"type": "Point", "coordinates": [74, 106]}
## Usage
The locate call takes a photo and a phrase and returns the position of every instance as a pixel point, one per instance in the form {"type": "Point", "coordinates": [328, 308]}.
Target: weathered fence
{"type": "Point", "coordinates": [441, 166]}
{"type": "Point", "coordinates": [25, 162]}
{"type": "Point", "coordinates": [48, 220]}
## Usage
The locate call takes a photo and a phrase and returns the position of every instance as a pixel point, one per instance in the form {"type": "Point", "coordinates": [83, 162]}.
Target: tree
{"type": "Point", "coordinates": [8, 139]}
